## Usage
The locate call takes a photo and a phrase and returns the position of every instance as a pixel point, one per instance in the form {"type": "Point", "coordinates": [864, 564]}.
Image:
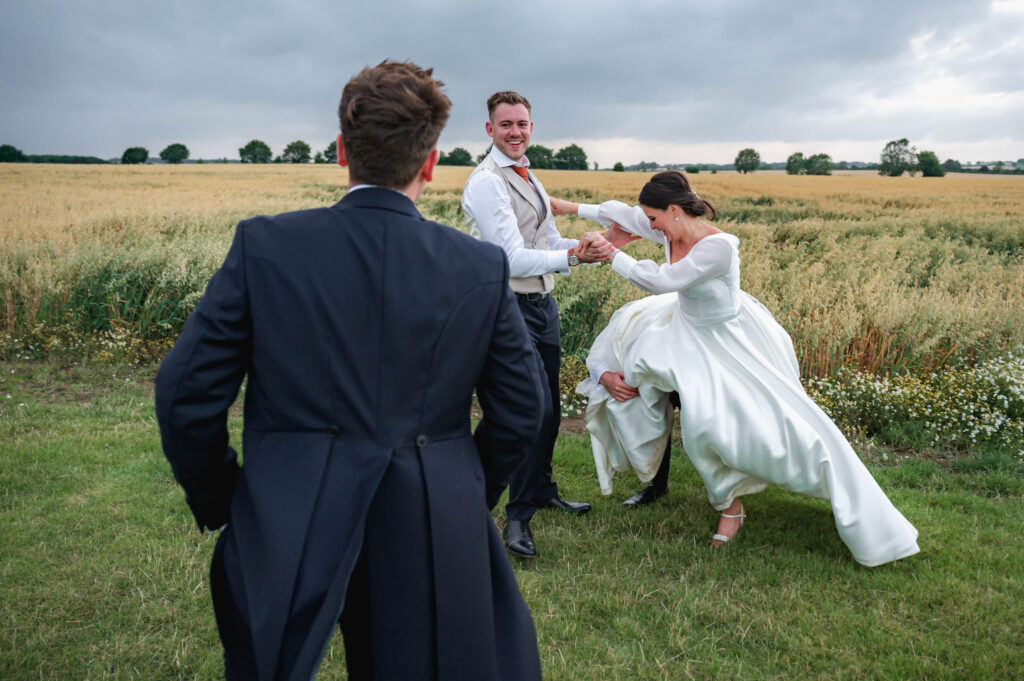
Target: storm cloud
{"type": "Point", "coordinates": [668, 81]}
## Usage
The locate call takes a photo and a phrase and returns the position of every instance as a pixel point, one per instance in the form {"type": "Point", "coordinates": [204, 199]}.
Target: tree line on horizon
{"type": "Point", "coordinates": [897, 157]}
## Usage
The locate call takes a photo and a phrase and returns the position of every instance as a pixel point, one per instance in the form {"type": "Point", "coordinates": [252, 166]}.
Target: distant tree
{"type": "Point", "coordinates": [457, 157]}
{"type": "Point", "coordinates": [318, 158]}
{"type": "Point", "coordinates": [331, 152]}
{"type": "Point", "coordinates": [11, 154]}
{"type": "Point", "coordinates": [897, 158]}
{"type": "Point", "coordinates": [595, 165]}
{"type": "Point", "coordinates": [998, 167]}
{"type": "Point", "coordinates": [483, 154]}
{"type": "Point", "coordinates": [134, 155]}
{"type": "Point", "coordinates": [571, 157]}
{"type": "Point", "coordinates": [618, 167]}
{"type": "Point", "coordinates": [747, 161]}
{"type": "Point", "coordinates": [256, 151]}
{"type": "Point", "coordinates": [692, 170]}
{"type": "Point", "coordinates": [796, 164]}
{"type": "Point", "coordinates": [983, 169]}
{"type": "Point", "coordinates": [929, 164]}
{"type": "Point", "coordinates": [842, 165]}
{"type": "Point", "coordinates": [296, 152]}
{"type": "Point", "coordinates": [819, 164]}
{"type": "Point", "coordinates": [647, 166]}
{"type": "Point", "coordinates": [952, 165]}
{"type": "Point", "coordinates": [58, 158]}
{"type": "Point", "coordinates": [174, 153]}
{"type": "Point", "coordinates": [541, 158]}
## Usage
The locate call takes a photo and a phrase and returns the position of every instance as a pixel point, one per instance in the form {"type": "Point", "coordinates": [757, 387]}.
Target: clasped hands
{"type": "Point", "coordinates": [593, 247]}
{"type": "Point", "coordinates": [598, 246]}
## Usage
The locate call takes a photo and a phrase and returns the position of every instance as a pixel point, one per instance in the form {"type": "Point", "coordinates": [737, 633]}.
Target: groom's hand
{"type": "Point", "coordinates": [614, 382]}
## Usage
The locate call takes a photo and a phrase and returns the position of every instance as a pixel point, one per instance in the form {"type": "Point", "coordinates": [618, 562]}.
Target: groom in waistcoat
{"type": "Point", "coordinates": [363, 329]}
{"type": "Point", "coordinates": [506, 205]}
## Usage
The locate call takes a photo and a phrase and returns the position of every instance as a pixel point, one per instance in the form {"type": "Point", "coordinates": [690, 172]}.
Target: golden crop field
{"type": "Point", "coordinates": [882, 274]}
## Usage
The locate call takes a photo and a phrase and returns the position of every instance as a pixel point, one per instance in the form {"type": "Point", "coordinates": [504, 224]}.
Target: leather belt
{"type": "Point", "coordinates": [532, 297]}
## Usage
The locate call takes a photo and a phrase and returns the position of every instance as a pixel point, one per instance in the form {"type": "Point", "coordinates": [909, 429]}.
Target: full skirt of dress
{"type": "Point", "coordinates": [744, 417]}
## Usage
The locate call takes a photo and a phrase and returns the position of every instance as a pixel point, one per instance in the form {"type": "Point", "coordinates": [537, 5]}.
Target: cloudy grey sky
{"type": "Point", "coordinates": [668, 81]}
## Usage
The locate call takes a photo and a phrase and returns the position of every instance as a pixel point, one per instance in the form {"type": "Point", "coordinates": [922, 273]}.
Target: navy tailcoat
{"type": "Point", "coordinates": [363, 330]}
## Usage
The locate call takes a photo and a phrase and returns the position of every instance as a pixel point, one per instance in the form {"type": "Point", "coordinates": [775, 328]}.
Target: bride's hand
{"type": "Point", "coordinates": [619, 237]}
{"type": "Point", "coordinates": [614, 382]}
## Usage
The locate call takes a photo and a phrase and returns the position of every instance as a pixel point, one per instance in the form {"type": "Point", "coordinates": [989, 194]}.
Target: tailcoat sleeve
{"type": "Point", "coordinates": [196, 384]}
{"type": "Point", "coordinates": [510, 392]}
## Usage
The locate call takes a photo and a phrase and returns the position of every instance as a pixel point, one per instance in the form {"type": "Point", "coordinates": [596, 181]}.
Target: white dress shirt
{"type": "Point", "coordinates": [487, 202]}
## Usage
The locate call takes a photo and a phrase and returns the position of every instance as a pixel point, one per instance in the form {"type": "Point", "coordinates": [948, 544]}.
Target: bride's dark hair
{"type": "Point", "coordinates": [672, 187]}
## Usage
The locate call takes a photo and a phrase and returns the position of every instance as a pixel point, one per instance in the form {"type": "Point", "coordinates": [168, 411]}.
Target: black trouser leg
{"type": "Point", "coordinates": [532, 482]}
{"type": "Point", "coordinates": [660, 480]}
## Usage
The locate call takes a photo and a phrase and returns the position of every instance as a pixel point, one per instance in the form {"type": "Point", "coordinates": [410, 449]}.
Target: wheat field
{"type": "Point", "coordinates": [879, 274]}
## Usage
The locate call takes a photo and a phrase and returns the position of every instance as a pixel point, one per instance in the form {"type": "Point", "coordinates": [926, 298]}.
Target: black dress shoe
{"type": "Point", "coordinates": [577, 507]}
{"type": "Point", "coordinates": [519, 540]}
{"type": "Point", "coordinates": [645, 496]}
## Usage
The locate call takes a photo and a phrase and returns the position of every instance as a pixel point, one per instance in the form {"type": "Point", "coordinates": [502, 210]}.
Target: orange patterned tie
{"type": "Point", "coordinates": [521, 172]}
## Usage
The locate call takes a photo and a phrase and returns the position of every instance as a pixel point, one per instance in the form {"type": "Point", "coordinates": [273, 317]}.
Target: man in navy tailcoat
{"type": "Point", "coordinates": [363, 330]}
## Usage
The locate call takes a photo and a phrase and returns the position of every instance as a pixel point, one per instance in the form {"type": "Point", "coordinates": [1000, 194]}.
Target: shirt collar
{"type": "Point", "coordinates": [357, 187]}
{"type": "Point", "coordinates": [504, 161]}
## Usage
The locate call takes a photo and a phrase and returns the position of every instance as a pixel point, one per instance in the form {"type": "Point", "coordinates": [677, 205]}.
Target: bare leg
{"type": "Point", "coordinates": [729, 524]}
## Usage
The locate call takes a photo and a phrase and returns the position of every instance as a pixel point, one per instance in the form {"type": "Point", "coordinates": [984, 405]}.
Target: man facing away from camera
{"type": "Point", "coordinates": [506, 205]}
{"type": "Point", "coordinates": [363, 330]}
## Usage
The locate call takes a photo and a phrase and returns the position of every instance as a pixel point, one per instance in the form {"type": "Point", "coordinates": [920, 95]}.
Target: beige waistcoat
{"type": "Point", "coordinates": [530, 215]}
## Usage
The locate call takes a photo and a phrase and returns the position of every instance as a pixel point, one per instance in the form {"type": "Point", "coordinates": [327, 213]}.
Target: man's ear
{"type": "Point", "coordinates": [342, 161]}
{"type": "Point", "coordinates": [489, 128]}
{"type": "Point", "coordinates": [427, 172]}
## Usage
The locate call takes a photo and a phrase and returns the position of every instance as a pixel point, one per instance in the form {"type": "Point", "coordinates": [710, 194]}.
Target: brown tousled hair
{"type": "Point", "coordinates": [391, 117]}
{"type": "Point", "coordinates": [672, 187]}
{"type": "Point", "coordinates": [505, 97]}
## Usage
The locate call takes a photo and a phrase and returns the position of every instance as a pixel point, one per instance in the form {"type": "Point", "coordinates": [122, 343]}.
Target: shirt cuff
{"type": "Point", "coordinates": [558, 261]}
{"type": "Point", "coordinates": [623, 263]}
{"type": "Point", "coordinates": [589, 211]}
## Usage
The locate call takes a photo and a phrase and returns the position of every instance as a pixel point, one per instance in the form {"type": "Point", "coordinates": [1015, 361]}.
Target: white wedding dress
{"type": "Point", "coordinates": [744, 417]}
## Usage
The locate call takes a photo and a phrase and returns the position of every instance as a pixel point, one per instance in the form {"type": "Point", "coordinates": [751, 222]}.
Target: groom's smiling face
{"type": "Point", "coordinates": [510, 128]}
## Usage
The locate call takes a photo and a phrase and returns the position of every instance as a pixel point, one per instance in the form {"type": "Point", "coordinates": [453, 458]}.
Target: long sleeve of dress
{"type": "Point", "coordinates": [631, 218]}
{"type": "Point", "coordinates": [710, 257]}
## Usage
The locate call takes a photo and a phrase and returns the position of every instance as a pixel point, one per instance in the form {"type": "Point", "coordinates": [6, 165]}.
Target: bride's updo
{"type": "Point", "coordinates": [672, 187]}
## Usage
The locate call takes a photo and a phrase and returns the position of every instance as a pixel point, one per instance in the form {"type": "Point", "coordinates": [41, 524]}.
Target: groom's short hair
{"type": "Point", "coordinates": [391, 117]}
{"type": "Point", "coordinates": [505, 97]}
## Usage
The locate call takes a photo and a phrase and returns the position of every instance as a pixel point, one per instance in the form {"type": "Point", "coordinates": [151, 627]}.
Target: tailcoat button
{"type": "Point", "coordinates": [333, 430]}
{"type": "Point", "coordinates": [421, 440]}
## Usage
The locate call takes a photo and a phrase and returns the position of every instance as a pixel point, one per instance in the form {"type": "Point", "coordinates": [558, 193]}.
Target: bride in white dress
{"type": "Point", "coordinates": [744, 417]}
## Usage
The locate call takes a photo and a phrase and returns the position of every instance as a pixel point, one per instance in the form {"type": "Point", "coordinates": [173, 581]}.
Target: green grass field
{"type": "Point", "coordinates": [104, 573]}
